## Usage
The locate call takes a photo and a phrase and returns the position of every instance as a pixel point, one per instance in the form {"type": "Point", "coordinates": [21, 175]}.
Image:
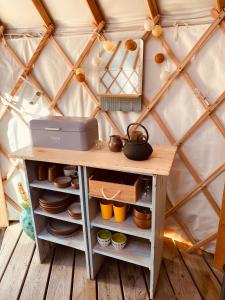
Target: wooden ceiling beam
{"type": "Point", "coordinates": [95, 11]}
{"type": "Point", "coordinates": [43, 12]}
{"type": "Point", "coordinates": [220, 4]}
{"type": "Point", "coordinates": [152, 8]}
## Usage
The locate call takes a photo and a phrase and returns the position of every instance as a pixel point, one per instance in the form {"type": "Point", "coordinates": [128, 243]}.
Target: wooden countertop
{"type": "Point", "coordinates": [159, 163]}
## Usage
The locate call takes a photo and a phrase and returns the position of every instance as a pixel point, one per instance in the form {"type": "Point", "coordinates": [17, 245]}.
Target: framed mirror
{"type": "Point", "coordinates": [120, 76]}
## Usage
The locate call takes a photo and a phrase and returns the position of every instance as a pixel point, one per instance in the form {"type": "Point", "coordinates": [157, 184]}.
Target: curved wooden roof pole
{"type": "Point", "coordinates": [219, 258]}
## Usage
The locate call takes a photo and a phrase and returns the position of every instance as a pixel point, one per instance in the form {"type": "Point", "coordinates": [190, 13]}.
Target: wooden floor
{"type": "Point", "coordinates": [63, 275]}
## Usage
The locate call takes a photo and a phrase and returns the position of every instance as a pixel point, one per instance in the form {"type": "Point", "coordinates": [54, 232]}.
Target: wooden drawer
{"type": "Point", "coordinates": [115, 185]}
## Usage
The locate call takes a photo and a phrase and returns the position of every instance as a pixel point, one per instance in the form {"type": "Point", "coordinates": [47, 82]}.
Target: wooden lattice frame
{"type": "Point", "coordinates": [149, 107]}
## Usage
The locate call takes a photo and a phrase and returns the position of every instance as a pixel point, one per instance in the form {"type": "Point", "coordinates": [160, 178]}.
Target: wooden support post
{"type": "Point", "coordinates": [4, 222]}
{"type": "Point", "coordinates": [219, 258]}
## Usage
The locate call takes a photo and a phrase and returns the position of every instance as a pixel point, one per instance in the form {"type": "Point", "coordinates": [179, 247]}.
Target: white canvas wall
{"type": "Point", "coordinates": [179, 109]}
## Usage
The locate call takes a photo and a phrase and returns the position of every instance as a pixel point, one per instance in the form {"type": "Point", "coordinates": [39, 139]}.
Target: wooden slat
{"type": "Point", "coordinates": [202, 243]}
{"type": "Point", "coordinates": [220, 4]}
{"type": "Point", "coordinates": [133, 282]}
{"type": "Point", "coordinates": [61, 275]}
{"type": "Point", "coordinates": [201, 42]}
{"type": "Point", "coordinates": [209, 257]}
{"type": "Point", "coordinates": [83, 288]}
{"type": "Point", "coordinates": [11, 237]}
{"type": "Point", "coordinates": [95, 11]}
{"type": "Point", "coordinates": [205, 280]}
{"type": "Point", "coordinates": [109, 281]}
{"type": "Point", "coordinates": [37, 278]}
{"type": "Point", "coordinates": [164, 289]}
{"type": "Point", "coordinates": [214, 14]}
{"type": "Point", "coordinates": [4, 222]}
{"type": "Point", "coordinates": [180, 278]}
{"type": "Point", "coordinates": [187, 163]}
{"type": "Point", "coordinates": [13, 203]}
{"type": "Point", "coordinates": [197, 189]}
{"type": "Point", "coordinates": [219, 260]}
{"type": "Point", "coordinates": [43, 12]}
{"type": "Point", "coordinates": [14, 276]}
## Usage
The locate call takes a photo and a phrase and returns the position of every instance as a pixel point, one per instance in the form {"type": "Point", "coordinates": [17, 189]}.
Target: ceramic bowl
{"type": "Point", "coordinates": [119, 240]}
{"type": "Point", "coordinates": [142, 213]}
{"type": "Point", "coordinates": [69, 170]}
{"type": "Point", "coordinates": [142, 223]}
{"type": "Point", "coordinates": [104, 237]}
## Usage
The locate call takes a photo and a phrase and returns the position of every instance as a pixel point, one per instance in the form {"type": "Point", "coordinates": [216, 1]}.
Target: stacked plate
{"type": "Point", "coordinates": [61, 228]}
{"type": "Point", "coordinates": [54, 202]}
{"type": "Point", "coordinates": [74, 210]}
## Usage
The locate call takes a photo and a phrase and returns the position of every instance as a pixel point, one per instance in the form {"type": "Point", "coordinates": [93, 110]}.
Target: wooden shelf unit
{"type": "Point", "coordinates": [45, 240]}
{"type": "Point", "coordinates": [144, 247]}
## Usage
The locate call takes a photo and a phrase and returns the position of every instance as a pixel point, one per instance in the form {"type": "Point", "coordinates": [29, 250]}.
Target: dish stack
{"type": "Point", "coordinates": [60, 228]}
{"type": "Point", "coordinates": [54, 202]}
{"type": "Point", "coordinates": [74, 210]}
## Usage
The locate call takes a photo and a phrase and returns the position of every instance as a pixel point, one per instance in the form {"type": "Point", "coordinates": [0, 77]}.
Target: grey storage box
{"type": "Point", "coordinates": [74, 133]}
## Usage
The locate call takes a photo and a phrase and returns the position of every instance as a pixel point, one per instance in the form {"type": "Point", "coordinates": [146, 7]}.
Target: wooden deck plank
{"type": "Point", "coordinates": [60, 281]}
{"type": "Point", "coordinates": [83, 288]}
{"type": "Point", "coordinates": [209, 259]}
{"type": "Point", "coordinates": [13, 279]}
{"type": "Point", "coordinates": [204, 278]}
{"type": "Point", "coordinates": [109, 281]}
{"type": "Point", "coordinates": [133, 282]}
{"type": "Point", "coordinates": [37, 278]}
{"type": "Point", "coordinates": [164, 289]}
{"type": "Point", "coordinates": [178, 274]}
{"type": "Point", "coordinates": [11, 237]}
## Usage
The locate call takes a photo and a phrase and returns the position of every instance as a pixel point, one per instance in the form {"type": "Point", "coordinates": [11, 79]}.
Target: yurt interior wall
{"type": "Point", "coordinates": [187, 110]}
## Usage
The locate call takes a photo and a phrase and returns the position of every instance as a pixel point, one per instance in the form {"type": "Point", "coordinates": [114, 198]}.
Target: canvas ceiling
{"type": "Point", "coordinates": [118, 13]}
{"type": "Point", "coordinates": [178, 108]}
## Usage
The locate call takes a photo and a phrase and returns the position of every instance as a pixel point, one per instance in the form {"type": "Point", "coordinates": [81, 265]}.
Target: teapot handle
{"type": "Point", "coordinates": [131, 124]}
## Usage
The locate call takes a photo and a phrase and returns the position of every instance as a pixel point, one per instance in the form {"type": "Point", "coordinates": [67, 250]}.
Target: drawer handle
{"type": "Point", "coordinates": [52, 128]}
{"type": "Point", "coordinates": [110, 198]}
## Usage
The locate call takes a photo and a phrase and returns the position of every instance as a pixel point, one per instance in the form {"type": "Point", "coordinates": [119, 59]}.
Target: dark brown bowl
{"type": "Point", "coordinates": [142, 213]}
{"type": "Point", "coordinates": [143, 224]}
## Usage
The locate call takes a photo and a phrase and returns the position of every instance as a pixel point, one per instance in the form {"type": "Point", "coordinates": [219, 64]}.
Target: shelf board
{"type": "Point", "coordinates": [128, 226]}
{"type": "Point", "coordinates": [76, 241]}
{"type": "Point", "coordinates": [136, 251]}
{"type": "Point", "coordinates": [140, 202]}
{"type": "Point", "coordinates": [46, 185]}
{"type": "Point", "coordinates": [60, 216]}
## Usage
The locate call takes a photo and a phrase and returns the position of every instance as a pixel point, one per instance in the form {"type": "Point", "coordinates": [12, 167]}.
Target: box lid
{"type": "Point", "coordinates": [59, 123]}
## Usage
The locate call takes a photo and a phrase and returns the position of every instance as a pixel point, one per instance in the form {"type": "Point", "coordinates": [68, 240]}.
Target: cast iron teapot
{"type": "Point", "coordinates": [137, 149]}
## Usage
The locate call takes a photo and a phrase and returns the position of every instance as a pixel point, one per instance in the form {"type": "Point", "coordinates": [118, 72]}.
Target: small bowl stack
{"type": "Point", "coordinates": [119, 240]}
{"type": "Point", "coordinates": [54, 202]}
{"type": "Point", "coordinates": [142, 217]}
{"type": "Point", "coordinates": [74, 210]}
{"type": "Point", "coordinates": [63, 229]}
{"type": "Point", "coordinates": [104, 237]}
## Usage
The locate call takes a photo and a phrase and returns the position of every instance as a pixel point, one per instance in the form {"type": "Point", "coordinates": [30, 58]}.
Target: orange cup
{"type": "Point", "coordinates": [120, 210]}
{"type": "Point", "coordinates": [106, 209]}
